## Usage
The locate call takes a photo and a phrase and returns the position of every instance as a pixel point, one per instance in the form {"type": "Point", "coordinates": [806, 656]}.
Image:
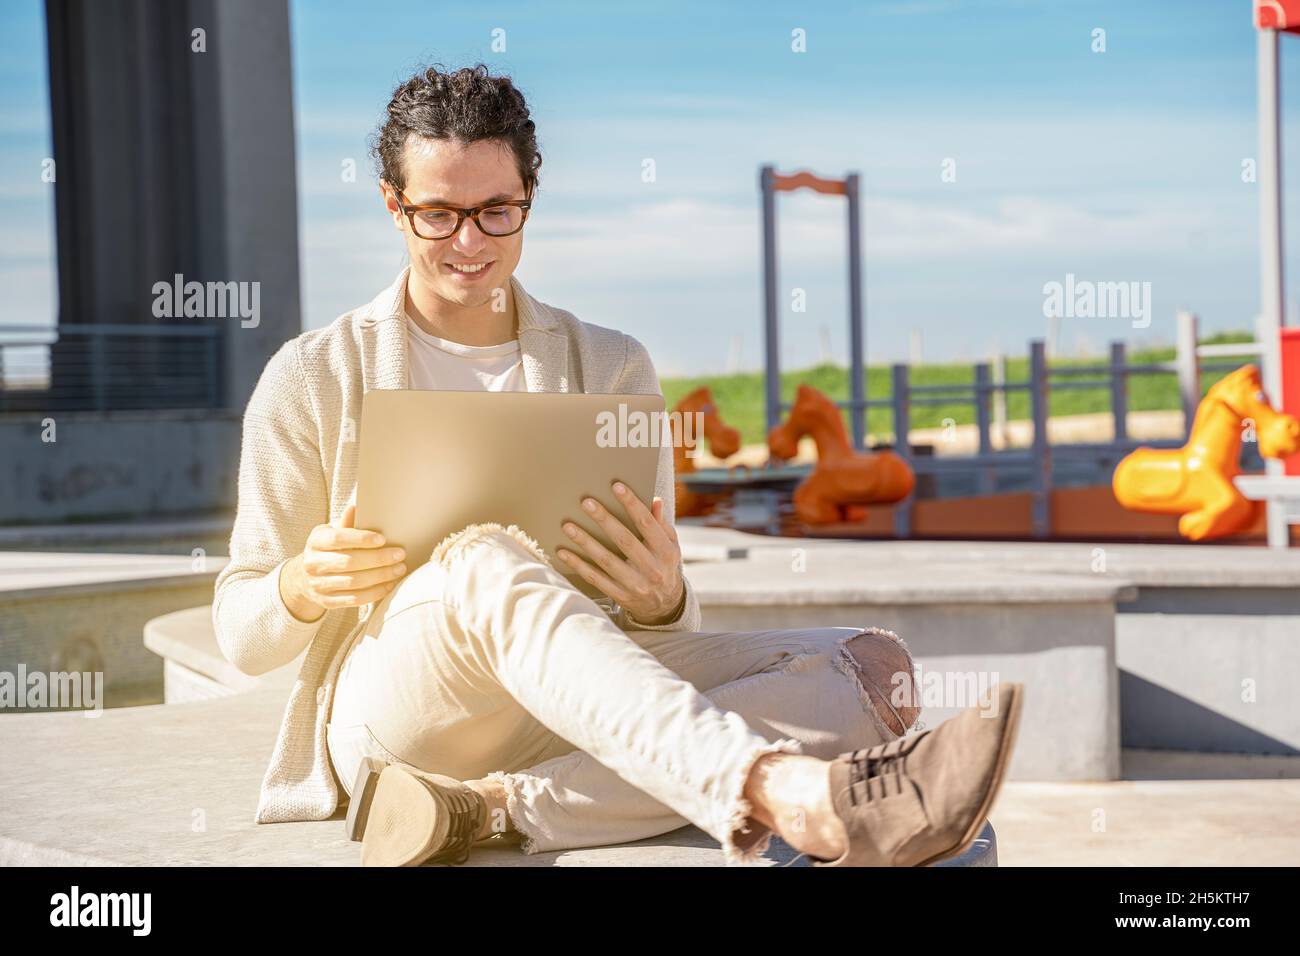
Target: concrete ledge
{"type": "Point", "coordinates": [195, 667]}
{"type": "Point", "coordinates": [85, 612]}
{"type": "Point", "coordinates": [41, 575]}
{"type": "Point", "coordinates": [107, 464]}
{"type": "Point", "coordinates": [1202, 631]}
{"type": "Point", "coordinates": [176, 785]}
{"type": "Point", "coordinates": [1071, 733]}
{"type": "Point", "coordinates": [823, 576]}
{"type": "Point", "coordinates": [1053, 632]}
{"type": "Point", "coordinates": [1140, 764]}
{"type": "Point", "coordinates": [1140, 565]}
{"type": "Point", "coordinates": [968, 626]}
{"type": "Point", "coordinates": [176, 532]}
{"type": "Point", "coordinates": [1210, 682]}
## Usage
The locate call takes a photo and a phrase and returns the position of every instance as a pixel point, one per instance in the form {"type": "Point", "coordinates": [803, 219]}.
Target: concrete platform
{"type": "Point", "coordinates": [62, 611]}
{"type": "Point", "coordinates": [176, 785]}
{"type": "Point", "coordinates": [194, 667]}
{"type": "Point", "coordinates": [178, 534]}
{"type": "Point", "coordinates": [1142, 565]}
{"type": "Point", "coordinates": [971, 629]}
{"type": "Point", "coordinates": [77, 789]}
{"type": "Point", "coordinates": [44, 574]}
{"type": "Point", "coordinates": [1204, 634]}
{"type": "Point", "coordinates": [968, 626]}
{"type": "Point", "coordinates": [1149, 823]}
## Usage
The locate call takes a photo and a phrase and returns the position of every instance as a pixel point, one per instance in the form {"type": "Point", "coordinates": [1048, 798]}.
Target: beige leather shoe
{"type": "Point", "coordinates": [924, 798]}
{"type": "Point", "coordinates": [415, 818]}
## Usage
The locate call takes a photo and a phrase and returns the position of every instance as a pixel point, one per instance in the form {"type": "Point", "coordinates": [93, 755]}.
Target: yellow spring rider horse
{"type": "Point", "coordinates": [1195, 481]}
{"type": "Point", "coordinates": [844, 480]}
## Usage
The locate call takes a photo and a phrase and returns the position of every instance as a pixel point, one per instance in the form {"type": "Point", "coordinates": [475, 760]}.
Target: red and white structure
{"type": "Point", "coordinates": [1281, 361]}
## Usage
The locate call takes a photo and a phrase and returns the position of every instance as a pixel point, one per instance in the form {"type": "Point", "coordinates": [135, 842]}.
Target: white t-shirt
{"type": "Point", "coordinates": [433, 362]}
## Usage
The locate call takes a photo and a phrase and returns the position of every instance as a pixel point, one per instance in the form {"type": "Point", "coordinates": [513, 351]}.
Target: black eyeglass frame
{"type": "Point", "coordinates": [409, 209]}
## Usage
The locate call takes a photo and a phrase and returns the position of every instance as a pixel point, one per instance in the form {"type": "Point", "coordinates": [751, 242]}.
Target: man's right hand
{"type": "Point", "coordinates": [341, 566]}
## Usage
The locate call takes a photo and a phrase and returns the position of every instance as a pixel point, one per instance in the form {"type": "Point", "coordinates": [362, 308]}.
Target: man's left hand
{"type": "Point", "coordinates": [646, 578]}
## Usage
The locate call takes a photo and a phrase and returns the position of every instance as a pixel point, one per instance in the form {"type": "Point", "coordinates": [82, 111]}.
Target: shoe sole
{"type": "Point", "coordinates": [406, 822]}
{"type": "Point", "coordinates": [363, 794]}
{"type": "Point", "coordinates": [1006, 745]}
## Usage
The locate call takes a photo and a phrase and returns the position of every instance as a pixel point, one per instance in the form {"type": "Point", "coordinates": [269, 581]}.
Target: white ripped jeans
{"type": "Point", "coordinates": [486, 663]}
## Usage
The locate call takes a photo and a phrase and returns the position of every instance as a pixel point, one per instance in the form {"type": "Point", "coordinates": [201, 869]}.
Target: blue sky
{"type": "Point", "coordinates": [1115, 166]}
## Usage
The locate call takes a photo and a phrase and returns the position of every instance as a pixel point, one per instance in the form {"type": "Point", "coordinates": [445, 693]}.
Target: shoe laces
{"type": "Point", "coordinates": [467, 811]}
{"type": "Point", "coordinates": [882, 762]}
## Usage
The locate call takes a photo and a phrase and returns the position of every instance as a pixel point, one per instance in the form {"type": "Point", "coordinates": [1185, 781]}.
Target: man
{"type": "Point", "coordinates": [482, 693]}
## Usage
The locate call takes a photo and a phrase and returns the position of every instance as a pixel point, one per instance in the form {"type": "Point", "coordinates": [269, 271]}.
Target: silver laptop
{"type": "Point", "coordinates": [432, 462]}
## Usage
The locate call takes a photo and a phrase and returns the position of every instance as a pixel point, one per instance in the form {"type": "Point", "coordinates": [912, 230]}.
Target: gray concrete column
{"type": "Point", "coordinates": [175, 155]}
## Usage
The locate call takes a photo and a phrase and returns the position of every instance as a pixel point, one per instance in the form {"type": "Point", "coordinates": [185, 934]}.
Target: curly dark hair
{"type": "Point", "coordinates": [469, 105]}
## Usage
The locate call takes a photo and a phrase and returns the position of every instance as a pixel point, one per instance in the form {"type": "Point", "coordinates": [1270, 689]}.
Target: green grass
{"type": "Point", "coordinates": [740, 397]}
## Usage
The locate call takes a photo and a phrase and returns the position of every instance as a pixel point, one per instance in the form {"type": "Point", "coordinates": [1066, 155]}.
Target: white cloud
{"type": "Point", "coordinates": [1018, 224]}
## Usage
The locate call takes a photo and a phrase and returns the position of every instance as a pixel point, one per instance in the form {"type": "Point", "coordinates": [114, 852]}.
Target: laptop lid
{"type": "Point", "coordinates": [434, 461]}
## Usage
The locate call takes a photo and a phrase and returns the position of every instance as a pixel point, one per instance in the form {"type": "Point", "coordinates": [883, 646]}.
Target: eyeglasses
{"type": "Point", "coordinates": [503, 218]}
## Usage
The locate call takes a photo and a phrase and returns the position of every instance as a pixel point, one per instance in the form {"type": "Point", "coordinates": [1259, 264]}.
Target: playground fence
{"type": "Point", "coordinates": [987, 393]}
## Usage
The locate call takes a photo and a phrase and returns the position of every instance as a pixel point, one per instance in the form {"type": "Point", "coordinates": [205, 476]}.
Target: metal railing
{"type": "Point", "coordinates": [990, 386]}
{"type": "Point", "coordinates": [106, 367]}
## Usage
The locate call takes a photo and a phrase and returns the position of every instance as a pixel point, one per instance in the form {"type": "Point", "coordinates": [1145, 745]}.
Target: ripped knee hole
{"type": "Point", "coordinates": [886, 668]}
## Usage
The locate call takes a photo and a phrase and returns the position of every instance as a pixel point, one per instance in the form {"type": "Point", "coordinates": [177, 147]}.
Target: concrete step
{"type": "Point", "coordinates": [177, 534]}
{"type": "Point", "coordinates": [73, 611]}
{"type": "Point", "coordinates": [1204, 633]}
{"type": "Point", "coordinates": [177, 785]}
{"type": "Point", "coordinates": [195, 668]}
{"type": "Point", "coordinates": [968, 627]}
{"type": "Point", "coordinates": [1144, 823]}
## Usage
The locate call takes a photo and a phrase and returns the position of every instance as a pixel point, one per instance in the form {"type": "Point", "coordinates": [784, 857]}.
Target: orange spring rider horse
{"type": "Point", "coordinates": [844, 479]}
{"type": "Point", "coordinates": [1195, 481]}
{"type": "Point", "coordinates": [724, 441]}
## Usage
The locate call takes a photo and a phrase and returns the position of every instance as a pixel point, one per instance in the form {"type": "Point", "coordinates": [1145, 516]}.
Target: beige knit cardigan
{"type": "Point", "coordinates": [297, 469]}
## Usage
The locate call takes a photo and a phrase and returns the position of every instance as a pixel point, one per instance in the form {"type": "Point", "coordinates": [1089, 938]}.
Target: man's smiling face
{"type": "Point", "coordinates": [450, 172]}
